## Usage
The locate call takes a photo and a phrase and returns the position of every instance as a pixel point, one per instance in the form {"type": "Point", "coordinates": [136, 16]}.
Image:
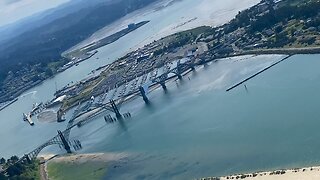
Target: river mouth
{"type": "Point", "coordinates": [26, 138]}
{"type": "Point", "coordinates": [197, 129]}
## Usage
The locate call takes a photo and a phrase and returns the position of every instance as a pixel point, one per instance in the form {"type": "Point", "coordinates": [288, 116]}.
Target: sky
{"type": "Point", "coordinates": [14, 10]}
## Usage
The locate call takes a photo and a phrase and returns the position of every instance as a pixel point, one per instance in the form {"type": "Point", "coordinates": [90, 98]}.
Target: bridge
{"type": "Point", "coordinates": [175, 70]}
{"type": "Point", "coordinates": [62, 139]}
{"type": "Point", "coordinates": [58, 140]}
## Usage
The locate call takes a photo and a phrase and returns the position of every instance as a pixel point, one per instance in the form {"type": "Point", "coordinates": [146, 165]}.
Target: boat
{"type": "Point", "coordinates": [27, 117]}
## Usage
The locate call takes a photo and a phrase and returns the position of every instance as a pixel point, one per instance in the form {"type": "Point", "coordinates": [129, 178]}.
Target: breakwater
{"type": "Point", "coordinates": [254, 75]}
{"type": "Point", "coordinates": [289, 51]}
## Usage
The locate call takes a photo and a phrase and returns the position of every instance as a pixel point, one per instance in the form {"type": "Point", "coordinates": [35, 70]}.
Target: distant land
{"type": "Point", "coordinates": [266, 28]}
{"type": "Point", "coordinates": [284, 27]}
{"type": "Point", "coordinates": [34, 55]}
{"type": "Point", "coordinates": [105, 41]}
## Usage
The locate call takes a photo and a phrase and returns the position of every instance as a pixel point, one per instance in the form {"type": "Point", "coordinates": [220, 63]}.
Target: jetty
{"type": "Point", "coordinates": [256, 74]}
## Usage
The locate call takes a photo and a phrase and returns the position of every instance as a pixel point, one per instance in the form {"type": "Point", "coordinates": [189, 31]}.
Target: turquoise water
{"type": "Point", "coordinates": [18, 138]}
{"type": "Point", "coordinates": [197, 129]}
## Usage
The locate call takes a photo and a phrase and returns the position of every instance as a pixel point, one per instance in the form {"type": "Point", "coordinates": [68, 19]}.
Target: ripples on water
{"type": "Point", "coordinates": [196, 129]}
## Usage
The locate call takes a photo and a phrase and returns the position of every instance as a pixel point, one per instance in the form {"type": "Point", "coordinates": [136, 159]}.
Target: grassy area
{"type": "Point", "coordinates": [71, 102]}
{"type": "Point", "coordinates": [84, 95]}
{"type": "Point", "coordinates": [79, 171]}
{"type": "Point", "coordinates": [32, 171]}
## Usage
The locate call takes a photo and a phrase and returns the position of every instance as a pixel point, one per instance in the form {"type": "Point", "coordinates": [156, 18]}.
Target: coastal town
{"type": "Point", "coordinates": [261, 29]}
{"type": "Point", "coordinates": [141, 68]}
{"type": "Point", "coordinates": [29, 76]}
{"type": "Point", "coordinates": [269, 27]}
{"type": "Point", "coordinates": [200, 45]}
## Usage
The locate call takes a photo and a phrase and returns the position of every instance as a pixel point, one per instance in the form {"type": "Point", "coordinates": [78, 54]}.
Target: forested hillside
{"type": "Point", "coordinates": [45, 44]}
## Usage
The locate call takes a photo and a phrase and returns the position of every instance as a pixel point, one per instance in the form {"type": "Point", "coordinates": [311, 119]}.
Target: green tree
{"type": "Point", "coordinates": [3, 177]}
{"type": "Point", "coordinates": [49, 72]}
{"type": "Point", "coordinates": [14, 159]}
{"type": "Point", "coordinates": [278, 29]}
{"type": "Point", "coordinates": [2, 161]}
{"type": "Point", "coordinates": [15, 170]}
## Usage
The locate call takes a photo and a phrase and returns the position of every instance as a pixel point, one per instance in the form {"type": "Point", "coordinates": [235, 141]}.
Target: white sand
{"type": "Point", "coordinates": [83, 158]}
{"type": "Point", "coordinates": [310, 173]}
{"type": "Point", "coordinates": [47, 116]}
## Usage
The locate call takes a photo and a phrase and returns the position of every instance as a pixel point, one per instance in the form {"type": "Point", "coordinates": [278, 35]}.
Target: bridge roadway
{"type": "Point", "coordinates": [152, 77]}
{"type": "Point", "coordinates": [111, 106]}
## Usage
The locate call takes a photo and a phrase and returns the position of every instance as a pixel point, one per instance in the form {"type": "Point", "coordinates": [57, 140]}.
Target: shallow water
{"type": "Point", "coordinates": [198, 129]}
{"type": "Point", "coordinates": [18, 138]}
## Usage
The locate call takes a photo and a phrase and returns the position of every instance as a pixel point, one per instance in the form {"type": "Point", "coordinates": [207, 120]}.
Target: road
{"type": "Point", "coordinates": [42, 171]}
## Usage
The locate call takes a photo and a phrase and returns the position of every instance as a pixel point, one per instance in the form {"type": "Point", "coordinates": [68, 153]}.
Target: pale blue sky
{"type": "Point", "coordinates": [13, 10]}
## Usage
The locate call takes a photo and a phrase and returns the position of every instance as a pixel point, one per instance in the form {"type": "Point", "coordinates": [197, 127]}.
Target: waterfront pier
{"type": "Point", "coordinates": [254, 75]}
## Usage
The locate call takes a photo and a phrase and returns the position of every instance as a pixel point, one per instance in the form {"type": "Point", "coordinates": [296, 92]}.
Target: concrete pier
{"type": "Point", "coordinates": [65, 142]}
{"type": "Point", "coordinates": [143, 94]}
{"type": "Point", "coordinates": [254, 75]}
{"type": "Point", "coordinates": [163, 85]}
{"type": "Point", "coordinates": [115, 109]}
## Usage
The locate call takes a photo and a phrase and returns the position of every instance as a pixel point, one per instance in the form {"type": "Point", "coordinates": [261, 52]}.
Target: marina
{"type": "Point", "coordinates": [186, 119]}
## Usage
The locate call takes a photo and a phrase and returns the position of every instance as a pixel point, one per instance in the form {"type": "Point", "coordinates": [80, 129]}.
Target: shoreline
{"type": "Point", "coordinates": [8, 103]}
{"type": "Point", "coordinates": [306, 173]}
{"type": "Point", "coordinates": [86, 166]}
{"type": "Point", "coordinates": [83, 157]}
{"type": "Point", "coordinates": [289, 51]}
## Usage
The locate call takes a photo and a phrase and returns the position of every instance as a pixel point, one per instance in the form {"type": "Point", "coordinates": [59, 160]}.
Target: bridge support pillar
{"type": "Point", "coordinates": [59, 115]}
{"type": "Point", "coordinates": [28, 158]}
{"type": "Point", "coordinates": [163, 85]}
{"type": "Point", "coordinates": [143, 94]}
{"type": "Point", "coordinates": [65, 142]}
{"type": "Point", "coordinates": [115, 109]}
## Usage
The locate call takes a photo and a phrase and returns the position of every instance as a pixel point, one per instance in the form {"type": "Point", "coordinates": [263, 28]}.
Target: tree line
{"type": "Point", "coordinates": [19, 170]}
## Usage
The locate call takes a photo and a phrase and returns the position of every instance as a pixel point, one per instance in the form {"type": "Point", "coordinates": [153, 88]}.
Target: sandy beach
{"type": "Point", "coordinates": [310, 173]}
{"type": "Point", "coordinates": [83, 158]}
{"type": "Point", "coordinates": [82, 166]}
{"type": "Point", "coordinates": [47, 116]}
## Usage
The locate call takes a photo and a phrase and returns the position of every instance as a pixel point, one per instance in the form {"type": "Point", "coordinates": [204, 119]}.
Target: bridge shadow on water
{"type": "Point", "coordinates": [168, 96]}
{"type": "Point", "coordinates": [182, 81]}
{"type": "Point", "coordinates": [206, 66]}
{"type": "Point", "coordinates": [97, 130]}
{"type": "Point", "coordinates": [150, 107]}
{"type": "Point", "coordinates": [122, 124]}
